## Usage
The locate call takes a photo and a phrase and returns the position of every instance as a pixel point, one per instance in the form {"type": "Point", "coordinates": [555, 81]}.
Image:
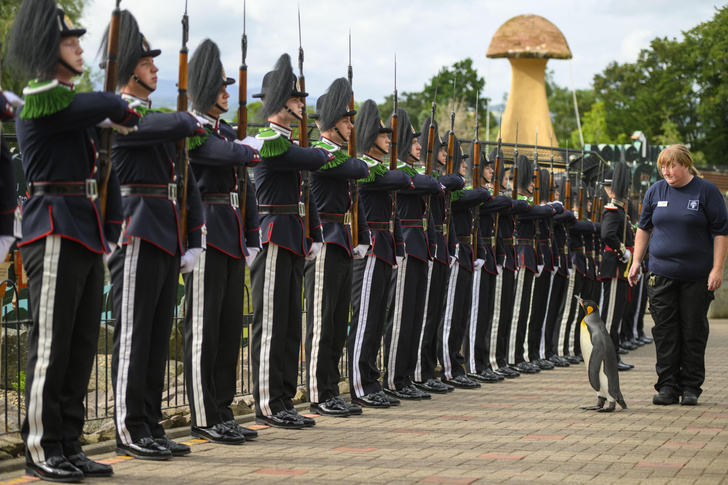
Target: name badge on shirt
{"type": "Point", "coordinates": [693, 205]}
{"type": "Point", "coordinates": [662, 203]}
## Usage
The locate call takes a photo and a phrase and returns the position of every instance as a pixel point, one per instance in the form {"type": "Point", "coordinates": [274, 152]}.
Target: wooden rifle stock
{"type": "Point", "coordinates": [355, 183]}
{"type": "Point", "coordinates": [243, 125]}
{"type": "Point", "coordinates": [183, 161]}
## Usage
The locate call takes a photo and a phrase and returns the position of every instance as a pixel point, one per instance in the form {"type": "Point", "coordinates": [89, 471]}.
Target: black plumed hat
{"type": "Point", "coordinates": [368, 126]}
{"type": "Point", "coordinates": [133, 46]}
{"type": "Point", "coordinates": [544, 184]}
{"type": "Point", "coordinates": [36, 35]}
{"type": "Point", "coordinates": [621, 180]}
{"type": "Point", "coordinates": [335, 104]}
{"type": "Point", "coordinates": [525, 171]}
{"type": "Point", "coordinates": [424, 138]}
{"type": "Point", "coordinates": [278, 86]}
{"type": "Point", "coordinates": [206, 76]}
{"type": "Point", "coordinates": [405, 134]}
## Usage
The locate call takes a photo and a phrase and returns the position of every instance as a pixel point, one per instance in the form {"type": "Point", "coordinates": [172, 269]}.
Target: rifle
{"type": "Point", "coordinates": [567, 181]}
{"type": "Point", "coordinates": [536, 173]}
{"type": "Point", "coordinates": [476, 176]}
{"type": "Point", "coordinates": [106, 135]}
{"type": "Point", "coordinates": [514, 185]}
{"type": "Point", "coordinates": [551, 172]}
{"type": "Point", "coordinates": [183, 159]}
{"type": "Point", "coordinates": [303, 129]}
{"type": "Point", "coordinates": [430, 149]}
{"type": "Point", "coordinates": [496, 184]}
{"type": "Point", "coordinates": [243, 122]}
{"type": "Point", "coordinates": [395, 128]}
{"type": "Point", "coordinates": [581, 189]}
{"type": "Point", "coordinates": [449, 167]}
{"type": "Point", "coordinates": [352, 154]}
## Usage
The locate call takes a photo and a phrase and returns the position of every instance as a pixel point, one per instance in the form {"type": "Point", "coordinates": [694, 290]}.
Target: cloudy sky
{"type": "Point", "coordinates": [424, 34]}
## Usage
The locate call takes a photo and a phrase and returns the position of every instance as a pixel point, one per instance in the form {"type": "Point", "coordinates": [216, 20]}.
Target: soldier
{"type": "Point", "coordinates": [407, 304]}
{"type": "Point", "coordinates": [372, 276]}
{"type": "Point", "coordinates": [328, 278]}
{"type": "Point", "coordinates": [213, 318]}
{"type": "Point", "coordinates": [8, 197]}
{"type": "Point", "coordinates": [277, 271]}
{"type": "Point", "coordinates": [63, 236]}
{"type": "Point", "coordinates": [438, 269]}
{"type": "Point", "coordinates": [145, 269]}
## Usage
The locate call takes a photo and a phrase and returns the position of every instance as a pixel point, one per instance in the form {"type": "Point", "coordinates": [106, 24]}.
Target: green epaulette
{"type": "Point", "coordinates": [407, 169]}
{"type": "Point", "coordinates": [45, 97]}
{"type": "Point", "coordinates": [197, 141]}
{"type": "Point", "coordinates": [374, 172]}
{"type": "Point", "coordinates": [456, 194]}
{"type": "Point", "coordinates": [274, 145]}
{"type": "Point", "coordinates": [339, 156]}
{"type": "Point", "coordinates": [523, 197]}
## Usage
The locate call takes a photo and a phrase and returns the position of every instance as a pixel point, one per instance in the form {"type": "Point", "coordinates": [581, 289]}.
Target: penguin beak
{"type": "Point", "coordinates": [581, 302]}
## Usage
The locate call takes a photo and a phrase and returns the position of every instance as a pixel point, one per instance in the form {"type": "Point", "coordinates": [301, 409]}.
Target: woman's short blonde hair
{"type": "Point", "coordinates": [676, 154]}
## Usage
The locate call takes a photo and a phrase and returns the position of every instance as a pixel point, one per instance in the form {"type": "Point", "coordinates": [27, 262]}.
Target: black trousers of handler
{"type": "Point", "coordinates": [519, 326]}
{"type": "Point", "coordinates": [558, 306]}
{"type": "Point", "coordinates": [502, 316]}
{"type": "Point", "coordinates": [680, 309]}
{"type": "Point", "coordinates": [65, 286]}
{"type": "Point", "coordinates": [537, 318]}
{"type": "Point", "coordinates": [455, 322]}
{"type": "Point", "coordinates": [275, 336]}
{"type": "Point", "coordinates": [213, 330]}
{"type": "Point", "coordinates": [477, 342]}
{"type": "Point", "coordinates": [328, 295]}
{"type": "Point", "coordinates": [566, 331]}
{"type": "Point", "coordinates": [371, 288]}
{"type": "Point", "coordinates": [614, 300]}
{"type": "Point", "coordinates": [145, 282]}
{"type": "Point", "coordinates": [404, 323]}
{"type": "Point", "coordinates": [435, 308]}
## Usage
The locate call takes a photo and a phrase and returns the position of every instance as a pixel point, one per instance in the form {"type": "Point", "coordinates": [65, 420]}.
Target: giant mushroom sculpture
{"type": "Point", "coordinates": [528, 42]}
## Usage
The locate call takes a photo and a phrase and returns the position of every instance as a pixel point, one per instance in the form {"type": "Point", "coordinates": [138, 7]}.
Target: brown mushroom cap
{"type": "Point", "coordinates": [529, 36]}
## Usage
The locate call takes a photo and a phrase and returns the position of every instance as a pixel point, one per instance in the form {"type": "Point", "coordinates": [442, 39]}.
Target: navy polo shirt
{"type": "Point", "coordinates": [684, 222]}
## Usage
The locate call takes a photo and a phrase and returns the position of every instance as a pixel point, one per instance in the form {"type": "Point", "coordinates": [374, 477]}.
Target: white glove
{"type": "Point", "coordinates": [360, 251]}
{"type": "Point", "coordinates": [135, 103]}
{"type": "Point", "coordinates": [478, 264]}
{"type": "Point", "coordinates": [626, 256]}
{"type": "Point", "coordinates": [106, 256]}
{"type": "Point", "coordinates": [202, 120]}
{"type": "Point", "coordinates": [453, 260]}
{"type": "Point", "coordinates": [13, 99]}
{"type": "Point", "coordinates": [253, 252]}
{"type": "Point", "coordinates": [122, 130]}
{"type": "Point", "coordinates": [5, 243]}
{"type": "Point", "coordinates": [315, 249]}
{"type": "Point", "coordinates": [400, 260]}
{"type": "Point", "coordinates": [498, 268]}
{"type": "Point", "coordinates": [540, 270]}
{"type": "Point", "coordinates": [251, 141]}
{"type": "Point", "coordinates": [189, 260]}
{"type": "Point", "coordinates": [370, 164]}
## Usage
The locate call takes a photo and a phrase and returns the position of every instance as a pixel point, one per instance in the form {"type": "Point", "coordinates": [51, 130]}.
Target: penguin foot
{"type": "Point", "coordinates": [608, 409]}
{"type": "Point", "coordinates": [592, 408]}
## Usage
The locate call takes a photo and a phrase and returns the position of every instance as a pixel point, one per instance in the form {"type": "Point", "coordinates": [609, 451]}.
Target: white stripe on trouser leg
{"type": "Point", "coordinates": [528, 321]}
{"type": "Point", "coordinates": [366, 291]}
{"type": "Point", "coordinates": [418, 366]}
{"type": "Point", "coordinates": [564, 323]}
{"type": "Point", "coordinates": [447, 322]}
{"type": "Point", "coordinates": [516, 316]}
{"type": "Point", "coordinates": [45, 339]}
{"type": "Point", "coordinates": [318, 321]}
{"type": "Point", "coordinates": [495, 324]}
{"type": "Point", "coordinates": [128, 298]}
{"type": "Point", "coordinates": [266, 334]}
{"type": "Point", "coordinates": [542, 346]}
{"type": "Point", "coordinates": [198, 325]}
{"type": "Point", "coordinates": [473, 327]}
{"type": "Point", "coordinates": [610, 305]}
{"type": "Point", "coordinates": [396, 323]}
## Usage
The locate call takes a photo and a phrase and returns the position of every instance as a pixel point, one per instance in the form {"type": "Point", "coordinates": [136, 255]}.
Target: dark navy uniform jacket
{"type": "Point", "coordinates": [506, 242]}
{"type": "Point", "coordinates": [611, 236]}
{"type": "Point", "coordinates": [497, 205]}
{"type": "Point", "coordinates": [411, 209]}
{"type": "Point", "coordinates": [332, 188]}
{"type": "Point", "coordinates": [278, 181]}
{"type": "Point", "coordinates": [579, 231]}
{"type": "Point", "coordinates": [63, 148]}
{"type": "Point", "coordinates": [526, 231]}
{"type": "Point", "coordinates": [592, 246]}
{"type": "Point", "coordinates": [216, 164]}
{"type": "Point", "coordinates": [463, 205]}
{"type": "Point", "coordinates": [439, 249]}
{"type": "Point", "coordinates": [147, 157]}
{"type": "Point", "coordinates": [376, 199]}
{"type": "Point", "coordinates": [561, 249]}
{"type": "Point", "coordinates": [8, 197]}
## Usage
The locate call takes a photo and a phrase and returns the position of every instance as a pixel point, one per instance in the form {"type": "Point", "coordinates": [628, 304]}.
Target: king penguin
{"type": "Point", "coordinates": [600, 358]}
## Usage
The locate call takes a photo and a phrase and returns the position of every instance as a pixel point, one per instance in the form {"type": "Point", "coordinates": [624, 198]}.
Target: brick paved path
{"type": "Point", "coordinates": [518, 431]}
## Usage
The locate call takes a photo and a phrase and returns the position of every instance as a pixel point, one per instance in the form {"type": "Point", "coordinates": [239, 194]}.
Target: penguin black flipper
{"type": "Point", "coordinates": [612, 373]}
{"type": "Point", "coordinates": [595, 365]}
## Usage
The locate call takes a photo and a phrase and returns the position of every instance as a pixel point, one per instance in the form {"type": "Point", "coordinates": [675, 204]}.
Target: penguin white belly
{"type": "Point", "coordinates": [586, 345]}
{"type": "Point", "coordinates": [604, 385]}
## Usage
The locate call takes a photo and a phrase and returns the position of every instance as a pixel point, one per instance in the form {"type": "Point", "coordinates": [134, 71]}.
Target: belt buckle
{"type": "Point", "coordinates": [92, 189]}
{"type": "Point", "coordinates": [302, 209]}
{"type": "Point", "coordinates": [234, 199]}
{"type": "Point", "coordinates": [424, 223]}
{"type": "Point", "coordinates": [347, 218]}
{"type": "Point", "coordinates": [172, 192]}
{"type": "Point", "coordinates": [492, 241]}
{"type": "Point", "coordinates": [391, 226]}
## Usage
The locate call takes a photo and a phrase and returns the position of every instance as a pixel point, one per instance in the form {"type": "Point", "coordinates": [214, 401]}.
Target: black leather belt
{"type": "Point", "coordinates": [339, 218]}
{"type": "Point", "coordinates": [232, 198]}
{"type": "Point", "coordinates": [510, 241]}
{"type": "Point", "coordinates": [168, 191]}
{"type": "Point", "coordinates": [381, 226]}
{"type": "Point", "coordinates": [465, 239]}
{"type": "Point", "coordinates": [292, 209]}
{"type": "Point", "coordinates": [87, 188]}
{"type": "Point", "coordinates": [578, 250]}
{"type": "Point", "coordinates": [413, 223]}
{"type": "Point", "coordinates": [439, 228]}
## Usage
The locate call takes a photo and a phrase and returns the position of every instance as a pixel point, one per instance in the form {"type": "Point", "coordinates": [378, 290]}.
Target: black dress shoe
{"type": "Point", "coordinates": [523, 368]}
{"type": "Point", "coordinates": [219, 433]}
{"type": "Point", "coordinates": [373, 400]}
{"type": "Point", "coordinates": [622, 351]}
{"type": "Point", "coordinates": [462, 382]}
{"type": "Point", "coordinates": [665, 397]}
{"type": "Point", "coordinates": [307, 422]}
{"type": "Point", "coordinates": [689, 399]}
{"type": "Point", "coordinates": [646, 340]}
{"type": "Point", "coordinates": [404, 393]}
{"type": "Point", "coordinates": [559, 361]}
{"type": "Point", "coordinates": [144, 449]}
{"type": "Point", "coordinates": [330, 407]}
{"type": "Point", "coordinates": [247, 433]}
{"type": "Point", "coordinates": [393, 401]}
{"type": "Point", "coordinates": [482, 377]}
{"type": "Point", "coordinates": [571, 359]}
{"type": "Point", "coordinates": [507, 372]}
{"type": "Point", "coordinates": [280, 420]}
{"type": "Point", "coordinates": [54, 469]}
{"type": "Point", "coordinates": [89, 467]}
{"type": "Point", "coordinates": [490, 373]}
{"type": "Point", "coordinates": [543, 364]}
{"type": "Point", "coordinates": [177, 449]}
{"type": "Point", "coordinates": [354, 410]}
{"type": "Point", "coordinates": [433, 386]}
{"type": "Point", "coordinates": [422, 394]}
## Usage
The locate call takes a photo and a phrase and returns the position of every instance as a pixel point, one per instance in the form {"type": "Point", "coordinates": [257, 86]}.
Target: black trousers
{"type": "Point", "coordinates": [568, 322]}
{"type": "Point", "coordinates": [145, 283]}
{"type": "Point", "coordinates": [275, 336]}
{"type": "Point", "coordinates": [519, 326]}
{"type": "Point", "coordinates": [213, 330]}
{"type": "Point", "coordinates": [614, 299]}
{"type": "Point", "coordinates": [371, 288]}
{"type": "Point", "coordinates": [437, 277]}
{"type": "Point", "coordinates": [505, 294]}
{"type": "Point", "coordinates": [455, 322]}
{"type": "Point", "coordinates": [404, 323]}
{"type": "Point", "coordinates": [680, 309]}
{"type": "Point", "coordinates": [557, 306]}
{"type": "Point", "coordinates": [328, 297]}
{"type": "Point", "coordinates": [478, 341]}
{"type": "Point", "coordinates": [537, 318]}
{"type": "Point", "coordinates": [65, 285]}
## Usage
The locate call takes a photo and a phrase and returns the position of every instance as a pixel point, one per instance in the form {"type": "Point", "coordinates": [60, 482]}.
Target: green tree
{"type": "Point", "coordinates": [561, 108]}
{"type": "Point", "coordinates": [593, 126]}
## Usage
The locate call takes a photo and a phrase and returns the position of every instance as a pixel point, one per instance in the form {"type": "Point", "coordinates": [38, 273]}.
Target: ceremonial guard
{"type": "Point", "coordinates": [328, 278]}
{"type": "Point", "coordinates": [372, 280]}
{"type": "Point", "coordinates": [277, 272]}
{"type": "Point", "coordinates": [145, 269]}
{"type": "Point", "coordinates": [63, 236]}
{"type": "Point", "coordinates": [407, 307]}
{"type": "Point", "coordinates": [617, 239]}
{"type": "Point", "coordinates": [438, 269]}
{"type": "Point", "coordinates": [8, 195]}
{"type": "Point", "coordinates": [213, 316]}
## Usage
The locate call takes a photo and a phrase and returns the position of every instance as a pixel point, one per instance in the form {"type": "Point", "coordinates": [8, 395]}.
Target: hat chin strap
{"type": "Point", "coordinates": [294, 114]}
{"type": "Point", "coordinates": [142, 83]}
{"type": "Point", "coordinates": [68, 66]}
{"type": "Point", "coordinates": [220, 108]}
{"type": "Point", "coordinates": [380, 149]}
{"type": "Point", "coordinates": [340, 135]}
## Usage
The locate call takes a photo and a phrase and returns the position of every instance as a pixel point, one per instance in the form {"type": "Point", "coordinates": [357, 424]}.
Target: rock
{"type": "Point", "coordinates": [12, 444]}
{"type": "Point", "coordinates": [176, 421]}
{"type": "Point", "coordinates": [239, 407]}
{"type": "Point", "coordinates": [106, 340]}
{"type": "Point", "coordinates": [177, 343]}
{"type": "Point", "coordinates": [13, 349]}
{"type": "Point", "coordinates": [301, 396]}
{"type": "Point", "coordinates": [101, 374]}
{"type": "Point", "coordinates": [11, 407]}
{"type": "Point", "coordinates": [99, 403]}
{"type": "Point", "coordinates": [249, 401]}
{"type": "Point", "coordinates": [344, 387]}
